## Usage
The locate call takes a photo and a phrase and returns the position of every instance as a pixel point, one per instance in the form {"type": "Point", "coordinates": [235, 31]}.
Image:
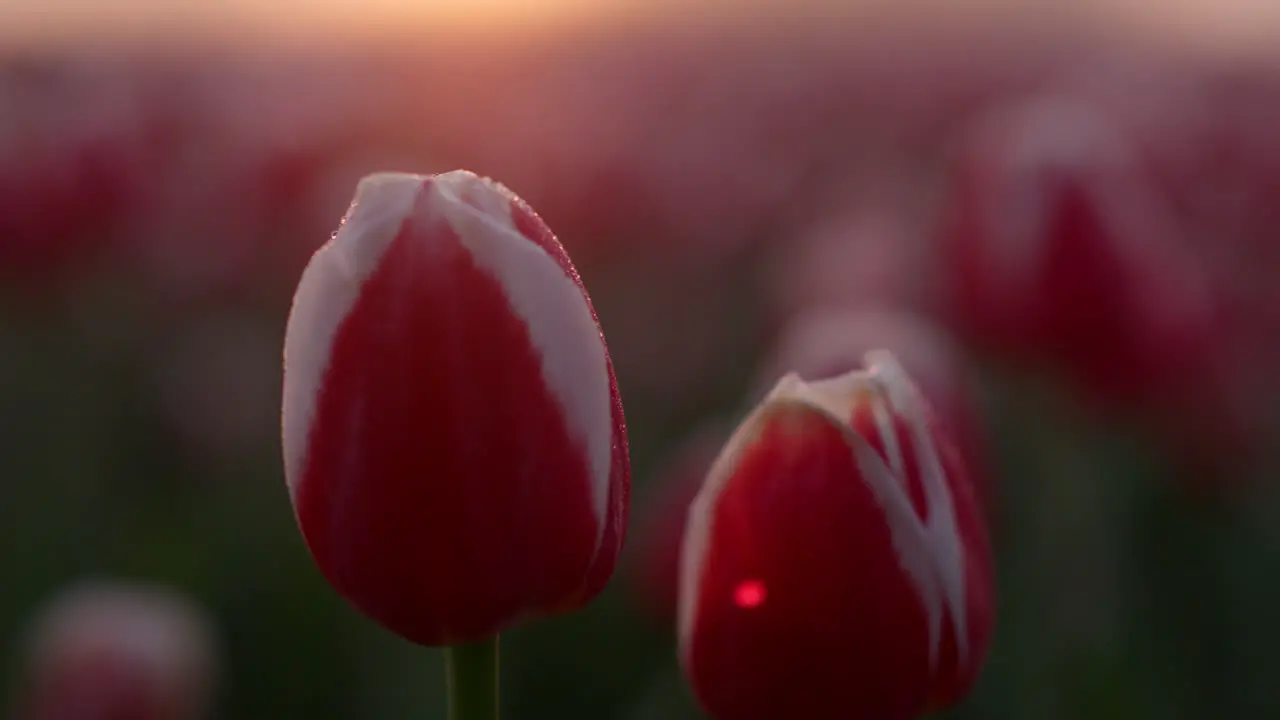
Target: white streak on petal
{"type": "Point", "coordinates": [326, 293]}
{"type": "Point", "coordinates": [553, 307]}
{"type": "Point", "coordinates": [834, 398]}
{"type": "Point", "coordinates": [700, 519]}
{"type": "Point", "coordinates": [889, 436]}
{"type": "Point", "coordinates": [929, 549]}
{"type": "Point", "coordinates": [942, 535]}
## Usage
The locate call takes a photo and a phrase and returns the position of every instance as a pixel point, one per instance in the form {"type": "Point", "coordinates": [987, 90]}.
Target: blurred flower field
{"type": "Point", "coordinates": [1073, 243]}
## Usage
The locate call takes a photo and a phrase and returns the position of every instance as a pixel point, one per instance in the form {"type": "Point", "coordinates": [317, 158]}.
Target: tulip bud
{"type": "Point", "coordinates": [825, 342]}
{"type": "Point", "coordinates": [454, 442]}
{"type": "Point", "coordinates": [835, 563]}
{"type": "Point", "coordinates": [119, 653]}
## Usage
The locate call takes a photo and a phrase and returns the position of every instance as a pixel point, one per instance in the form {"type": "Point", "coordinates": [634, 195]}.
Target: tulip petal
{"type": "Point", "coordinates": [798, 605]}
{"type": "Point", "coordinates": [911, 533]}
{"type": "Point", "coordinates": [929, 547]}
{"type": "Point", "coordinates": [326, 293]}
{"type": "Point", "coordinates": [550, 300]}
{"type": "Point", "coordinates": [942, 534]}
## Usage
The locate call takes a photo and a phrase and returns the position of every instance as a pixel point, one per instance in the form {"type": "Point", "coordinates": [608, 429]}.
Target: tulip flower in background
{"type": "Point", "coordinates": [54, 210]}
{"type": "Point", "coordinates": [71, 176]}
{"type": "Point", "coordinates": [835, 563]}
{"type": "Point", "coordinates": [454, 441]}
{"type": "Point", "coordinates": [119, 652]}
{"type": "Point", "coordinates": [1057, 249]}
{"type": "Point", "coordinates": [824, 342]}
{"type": "Point", "coordinates": [1213, 150]}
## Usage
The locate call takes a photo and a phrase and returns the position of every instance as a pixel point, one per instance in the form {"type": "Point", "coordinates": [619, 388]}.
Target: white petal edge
{"type": "Point", "coordinates": [553, 307]}
{"type": "Point", "coordinates": [929, 549]}
{"type": "Point", "coordinates": [941, 528]}
{"type": "Point", "coordinates": [326, 293]}
{"type": "Point", "coordinates": [824, 336]}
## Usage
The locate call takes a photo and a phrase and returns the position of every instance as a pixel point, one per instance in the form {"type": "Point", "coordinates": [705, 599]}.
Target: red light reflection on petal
{"type": "Point", "coordinates": [749, 594]}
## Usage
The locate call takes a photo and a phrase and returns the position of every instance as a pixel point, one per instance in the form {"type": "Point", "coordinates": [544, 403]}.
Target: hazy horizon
{"type": "Point", "coordinates": [1230, 25]}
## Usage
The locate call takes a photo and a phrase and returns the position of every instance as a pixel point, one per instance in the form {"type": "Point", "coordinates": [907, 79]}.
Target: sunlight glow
{"type": "Point", "coordinates": [336, 21]}
{"type": "Point", "coordinates": [1233, 26]}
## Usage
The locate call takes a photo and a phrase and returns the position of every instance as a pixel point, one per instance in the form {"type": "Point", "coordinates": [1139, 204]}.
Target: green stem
{"type": "Point", "coordinates": [472, 676]}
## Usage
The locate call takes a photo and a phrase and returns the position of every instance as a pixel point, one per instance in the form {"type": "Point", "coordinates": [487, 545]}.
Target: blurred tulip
{"type": "Point", "coordinates": [119, 652]}
{"type": "Point", "coordinates": [1056, 249]}
{"type": "Point", "coordinates": [71, 173]}
{"type": "Point", "coordinates": [453, 436]}
{"type": "Point", "coordinates": [825, 342]}
{"type": "Point", "coordinates": [1211, 144]}
{"type": "Point", "coordinates": [51, 211]}
{"type": "Point", "coordinates": [835, 563]}
{"type": "Point", "coordinates": [657, 550]}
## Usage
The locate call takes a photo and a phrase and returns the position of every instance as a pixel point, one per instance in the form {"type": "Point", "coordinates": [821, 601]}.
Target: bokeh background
{"type": "Point", "coordinates": [717, 170]}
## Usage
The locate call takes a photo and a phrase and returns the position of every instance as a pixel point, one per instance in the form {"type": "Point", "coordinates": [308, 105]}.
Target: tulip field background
{"type": "Point", "coordinates": [713, 181]}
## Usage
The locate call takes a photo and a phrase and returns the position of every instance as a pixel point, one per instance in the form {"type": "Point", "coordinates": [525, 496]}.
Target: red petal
{"type": "Point", "coordinates": [838, 631]}
{"type": "Point", "coordinates": [443, 494]}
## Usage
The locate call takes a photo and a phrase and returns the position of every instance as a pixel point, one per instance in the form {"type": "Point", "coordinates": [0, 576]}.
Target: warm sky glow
{"type": "Point", "coordinates": [80, 20]}
{"type": "Point", "coordinates": [1225, 23]}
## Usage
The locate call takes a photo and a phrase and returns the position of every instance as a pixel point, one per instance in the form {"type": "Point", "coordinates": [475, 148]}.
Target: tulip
{"type": "Point", "coordinates": [824, 342]}
{"type": "Point", "coordinates": [119, 652]}
{"type": "Point", "coordinates": [835, 563]}
{"type": "Point", "coordinates": [453, 437]}
{"type": "Point", "coordinates": [816, 344]}
{"type": "Point", "coordinates": [1061, 252]}
{"type": "Point", "coordinates": [1057, 248]}
{"type": "Point", "coordinates": [72, 173]}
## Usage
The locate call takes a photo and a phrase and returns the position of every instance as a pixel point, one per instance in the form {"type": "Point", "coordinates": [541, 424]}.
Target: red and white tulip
{"type": "Point", "coordinates": [824, 342]}
{"type": "Point", "coordinates": [119, 652]}
{"type": "Point", "coordinates": [835, 563]}
{"type": "Point", "coordinates": [1058, 248]}
{"type": "Point", "coordinates": [453, 435]}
